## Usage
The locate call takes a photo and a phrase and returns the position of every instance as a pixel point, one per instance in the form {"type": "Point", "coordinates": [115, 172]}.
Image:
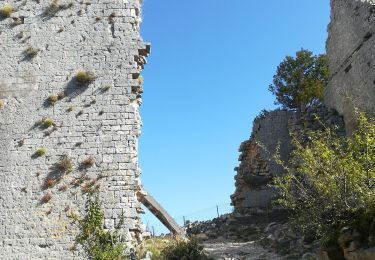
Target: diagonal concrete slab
{"type": "Point", "coordinates": [149, 202]}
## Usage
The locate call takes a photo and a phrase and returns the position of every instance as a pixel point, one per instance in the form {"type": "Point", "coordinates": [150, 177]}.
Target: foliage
{"type": "Point", "coordinates": [46, 198]}
{"type": "Point", "coordinates": [41, 151]}
{"type": "Point", "coordinates": [6, 10]}
{"type": "Point", "coordinates": [84, 77]}
{"type": "Point", "coordinates": [53, 99]}
{"type": "Point", "coordinates": [171, 248]}
{"type": "Point", "coordinates": [330, 182]}
{"type": "Point", "coordinates": [31, 51]}
{"type": "Point", "coordinates": [97, 243]}
{"type": "Point", "coordinates": [65, 165]}
{"type": "Point", "coordinates": [47, 122]}
{"type": "Point", "coordinates": [155, 246]}
{"type": "Point", "coordinates": [184, 250]}
{"type": "Point", "coordinates": [299, 81]}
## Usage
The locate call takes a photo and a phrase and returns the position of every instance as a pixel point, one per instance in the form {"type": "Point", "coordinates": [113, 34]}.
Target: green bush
{"type": "Point", "coordinates": [41, 151]}
{"type": "Point", "coordinates": [47, 122]}
{"type": "Point", "coordinates": [330, 182]}
{"type": "Point", "coordinates": [184, 250]}
{"type": "Point", "coordinates": [84, 77]}
{"type": "Point", "coordinates": [6, 10]}
{"type": "Point", "coordinates": [97, 243]}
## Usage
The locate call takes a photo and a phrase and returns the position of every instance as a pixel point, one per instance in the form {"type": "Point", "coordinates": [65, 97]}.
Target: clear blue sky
{"type": "Point", "coordinates": [206, 79]}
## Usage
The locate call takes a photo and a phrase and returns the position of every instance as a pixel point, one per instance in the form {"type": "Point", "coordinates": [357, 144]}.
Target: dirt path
{"type": "Point", "coordinates": [239, 251]}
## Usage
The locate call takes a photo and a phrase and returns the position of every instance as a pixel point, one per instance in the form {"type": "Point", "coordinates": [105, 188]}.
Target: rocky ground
{"type": "Point", "coordinates": [239, 251]}
{"type": "Point", "coordinates": [247, 238]}
{"type": "Point", "coordinates": [234, 238]}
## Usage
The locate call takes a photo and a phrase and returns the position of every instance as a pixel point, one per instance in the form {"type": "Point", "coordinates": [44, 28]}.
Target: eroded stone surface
{"type": "Point", "coordinates": [44, 44]}
{"type": "Point", "coordinates": [351, 55]}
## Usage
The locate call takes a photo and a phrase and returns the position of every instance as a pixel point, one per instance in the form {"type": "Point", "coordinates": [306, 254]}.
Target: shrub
{"type": "Point", "coordinates": [6, 10]}
{"type": "Point", "coordinates": [41, 152]}
{"type": "Point", "coordinates": [84, 77]}
{"type": "Point", "coordinates": [46, 197]}
{"type": "Point", "coordinates": [53, 99]}
{"type": "Point", "coordinates": [184, 250]}
{"type": "Point", "coordinates": [330, 183]}
{"type": "Point", "coordinates": [97, 243]}
{"type": "Point", "coordinates": [88, 162]}
{"type": "Point", "coordinates": [65, 165]}
{"type": "Point", "coordinates": [49, 183]}
{"type": "Point", "coordinates": [47, 122]}
{"type": "Point", "coordinates": [31, 51]}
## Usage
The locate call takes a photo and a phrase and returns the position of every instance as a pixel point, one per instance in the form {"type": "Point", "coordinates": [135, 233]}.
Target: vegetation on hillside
{"type": "Point", "coordinates": [330, 182]}
{"type": "Point", "coordinates": [299, 81]}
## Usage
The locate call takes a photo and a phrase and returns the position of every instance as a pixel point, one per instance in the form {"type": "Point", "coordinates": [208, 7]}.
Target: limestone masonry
{"type": "Point", "coordinates": [257, 168]}
{"type": "Point", "coordinates": [50, 119]}
{"type": "Point", "coordinates": [351, 56]}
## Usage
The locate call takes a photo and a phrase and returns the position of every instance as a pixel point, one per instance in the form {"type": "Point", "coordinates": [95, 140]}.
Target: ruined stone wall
{"type": "Point", "coordinates": [257, 163]}
{"type": "Point", "coordinates": [257, 167]}
{"type": "Point", "coordinates": [95, 126]}
{"type": "Point", "coordinates": [351, 55]}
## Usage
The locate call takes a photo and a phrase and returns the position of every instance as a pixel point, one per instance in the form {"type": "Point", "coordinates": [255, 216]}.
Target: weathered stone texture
{"type": "Point", "coordinates": [351, 55]}
{"type": "Point", "coordinates": [257, 160]}
{"type": "Point", "coordinates": [257, 166]}
{"type": "Point", "coordinates": [100, 120]}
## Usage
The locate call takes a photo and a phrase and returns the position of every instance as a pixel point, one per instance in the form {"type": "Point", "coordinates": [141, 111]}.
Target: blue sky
{"type": "Point", "coordinates": [206, 79]}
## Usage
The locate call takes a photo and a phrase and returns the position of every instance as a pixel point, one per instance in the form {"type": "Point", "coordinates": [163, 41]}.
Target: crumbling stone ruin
{"type": "Point", "coordinates": [70, 89]}
{"type": "Point", "coordinates": [271, 136]}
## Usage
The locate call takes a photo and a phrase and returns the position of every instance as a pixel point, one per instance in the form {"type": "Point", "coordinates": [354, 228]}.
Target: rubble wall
{"type": "Point", "coordinates": [272, 131]}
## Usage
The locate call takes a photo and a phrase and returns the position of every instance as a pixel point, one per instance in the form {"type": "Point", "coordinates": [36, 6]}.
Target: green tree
{"type": "Point", "coordinates": [299, 81]}
{"type": "Point", "coordinates": [330, 181]}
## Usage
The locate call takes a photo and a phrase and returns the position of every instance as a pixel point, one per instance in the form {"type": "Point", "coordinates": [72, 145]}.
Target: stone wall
{"type": "Point", "coordinates": [257, 167]}
{"type": "Point", "coordinates": [257, 164]}
{"type": "Point", "coordinates": [95, 126]}
{"type": "Point", "coordinates": [351, 56]}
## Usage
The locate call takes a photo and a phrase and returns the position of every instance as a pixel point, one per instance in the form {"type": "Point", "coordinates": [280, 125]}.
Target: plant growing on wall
{"type": "Point", "coordinates": [299, 81]}
{"type": "Point", "coordinates": [84, 77]}
{"type": "Point", "coordinates": [41, 152]}
{"type": "Point", "coordinates": [65, 165]}
{"type": "Point", "coordinates": [53, 99]}
{"type": "Point", "coordinates": [97, 243]}
{"type": "Point", "coordinates": [46, 198]}
{"type": "Point", "coordinates": [88, 162]}
{"type": "Point", "coordinates": [6, 10]}
{"type": "Point", "coordinates": [31, 52]}
{"type": "Point", "coordinates": [47, 122]}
